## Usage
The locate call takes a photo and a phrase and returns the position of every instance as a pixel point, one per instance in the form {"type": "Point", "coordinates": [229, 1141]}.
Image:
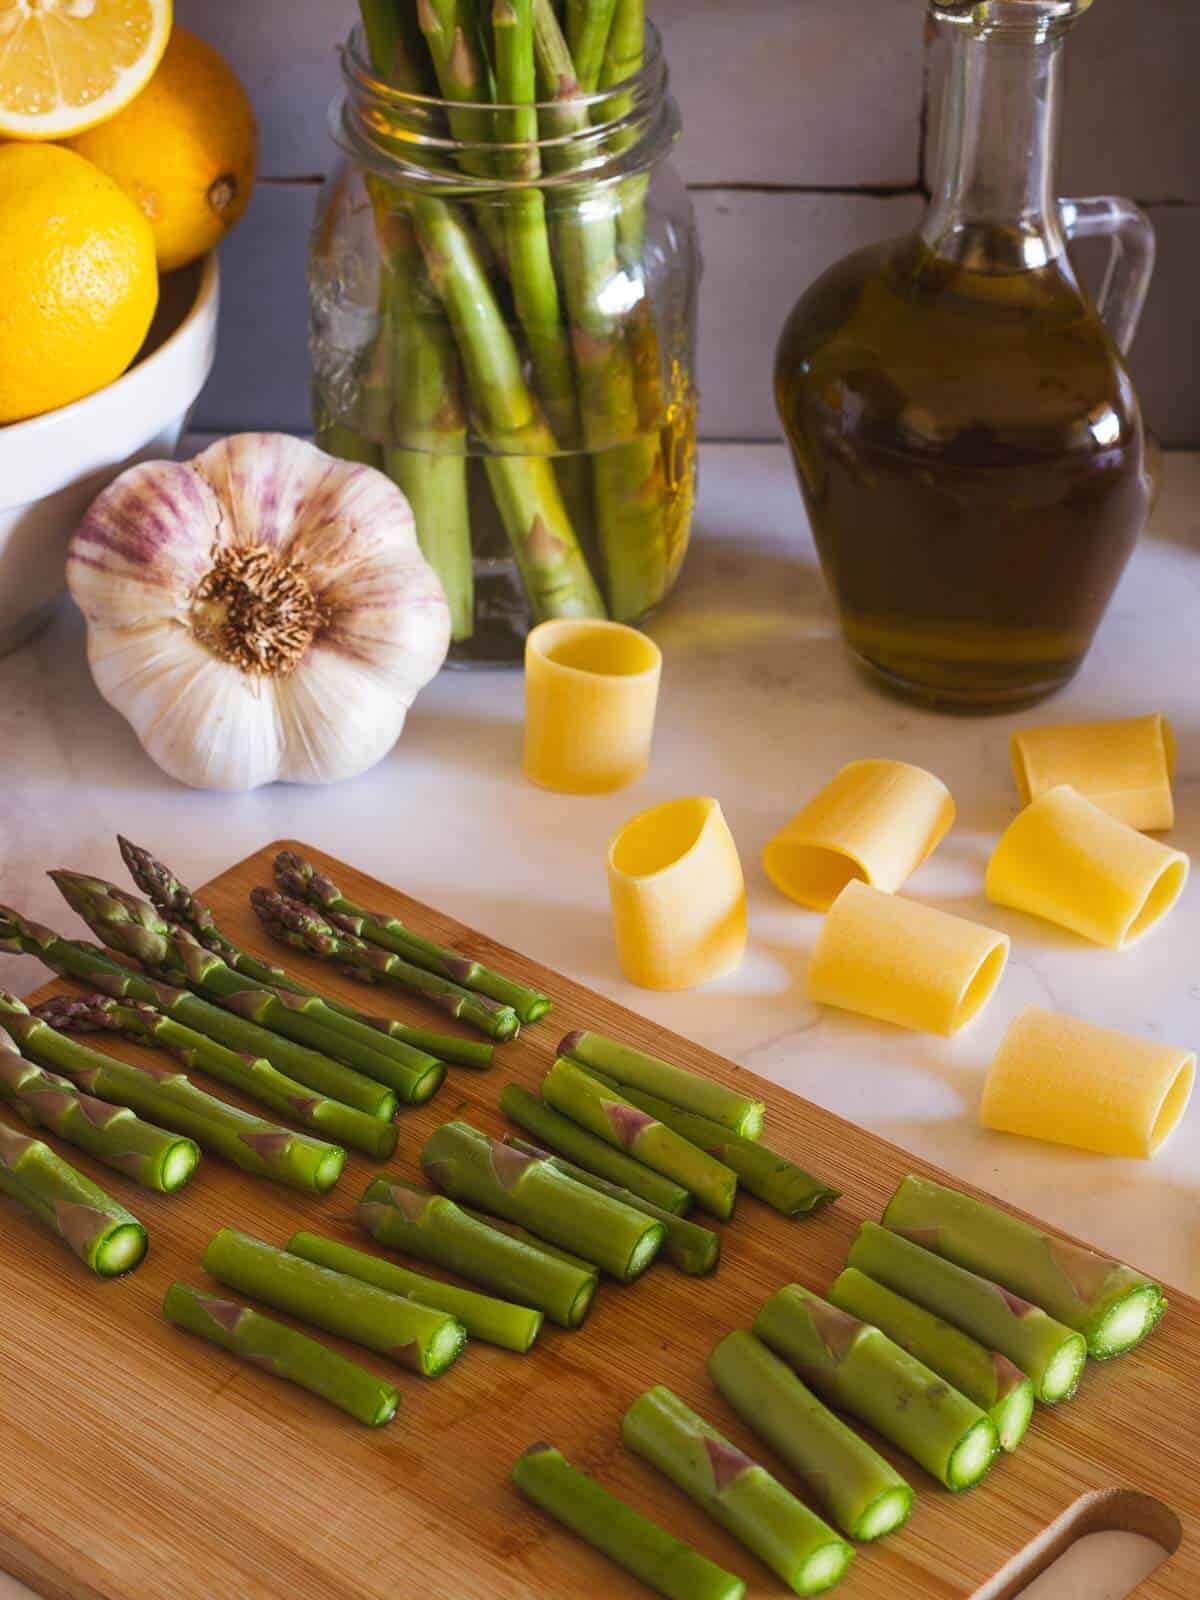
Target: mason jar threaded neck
{"type": "Point", "coordinates": [985, 18]}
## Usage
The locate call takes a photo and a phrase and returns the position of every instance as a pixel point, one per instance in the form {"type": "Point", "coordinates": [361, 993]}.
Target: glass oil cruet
{"type": "Point", "coordinates": [968, 440]}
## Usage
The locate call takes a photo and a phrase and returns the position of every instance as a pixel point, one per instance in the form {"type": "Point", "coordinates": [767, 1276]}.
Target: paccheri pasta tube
{"type": "Point", "coordinates": [1125, 767]}
{"type": "Point", "coordinates": [904, 963]}
{"type": "Point", "coordinates": [1065, 859]}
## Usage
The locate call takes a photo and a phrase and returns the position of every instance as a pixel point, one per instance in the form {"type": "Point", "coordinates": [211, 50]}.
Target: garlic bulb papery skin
{"type": "Point", "coordinates": [261, 612]}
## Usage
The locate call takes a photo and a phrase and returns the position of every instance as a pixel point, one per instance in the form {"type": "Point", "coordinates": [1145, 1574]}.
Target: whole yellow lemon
{"type": "Point", "coordinates": [79, 285]}
{"type": "Point", "coordinates": [184, 149]}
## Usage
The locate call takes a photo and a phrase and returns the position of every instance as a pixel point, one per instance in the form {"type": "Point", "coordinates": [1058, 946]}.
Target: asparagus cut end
{"type": "Point", "coordinates": [428, 1084]}
{"type": "Point", "coordinates": [890, 1511]}
{"type": "Point", "coordinates": [1127, 1323]}
{"type": "Point", "coordinates": [1061, 1377]}
{"type": "Point", "coordinates": [388, 1405]}
{"type": "Point", "coordinates": [535, 1009]}
{"type": "Point", "coordinates": [122, 1250]}
{"type": "Point", "coordinates": [824, 1568]}
{"type": "Point", "coordinates": [181, 1161]}
{"type": "Point", "coordinates": [1013, 1414]}
{"type": "Point", "coordinates": [582, 1303]}
{"type": "Point", "coordinates": [973, 1456]}
{"type": "Point", "coordinates": [444, 1348]}
{"type": "Point", "coordinates": [329, 1169]}
{"type": "Point", "coordinates": [751, 1124]}
{"type": "Point", "coordinates": [644, 1251]}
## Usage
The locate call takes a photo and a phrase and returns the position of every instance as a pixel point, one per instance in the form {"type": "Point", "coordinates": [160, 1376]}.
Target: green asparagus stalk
{"type": "Point", "coordinates": [568, 1139]}
{"type": "Point", "coordinates": [104, 1236]}
{"type": "Point", "coordinates": [775, 1180]}
{"type": "Point", "coordinates": [330, 1062]}
{"type": "Point", "coordinates": [169, 1099]}
{"type": "Point", "coordinates": [497, 1322]}
{"type": "Point", "coordinates": [293, 923]}
{"type": "Point", "coordinates": [860, 1370]}
{"type": "Point", "coordinates": [468, 1166]}
{"type": "Point", "coordinates": [514, 1231]}
{"type": "Point", "coordinates": [283, 1351]}
{"type": "Point", "coordinates": [688, 1246]}
{"type": "Point", "coordinates": [113, 1134]}
{"type": "Point", "coordinates": [861, 1492]}
{"type": "Point", "coordinates": [985, 1376]}
{"type": "Point", "coordinates": [634, 1069]}
{"type": "Point", "coordinates": [416, 1336]}
{"type": "Point", "coordinates": [434, 1229]}
{"type": "Point", "coordinates": [1112, 1305]}
{"type": "Point", "coordinates": [588, 26]}
{"type": "Point", "coordinates": [178, 904]}
{"type": "Point", "coordinates": [337, 439]}
{"type": "Point", "coordinates": [300, 880]}
{"type": "Point", "coordinates": [1052, 1354]}
{"type": "Point", "coordinates": [613, 1117]}
{"type": "Point", "coordinates": [662, 1562]}
{"type": "Point", "coordinates": [254, 1076]}
{"type": "Point", "coordinates": [736, 1492]}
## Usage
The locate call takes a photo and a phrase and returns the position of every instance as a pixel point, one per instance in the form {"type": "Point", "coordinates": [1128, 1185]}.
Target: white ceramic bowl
{"type": "Point", "coordinates": [53, 466]}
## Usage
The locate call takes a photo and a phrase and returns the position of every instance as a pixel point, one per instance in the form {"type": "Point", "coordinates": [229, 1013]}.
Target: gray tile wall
{"type": "Point", "coordinates": [803, 139]}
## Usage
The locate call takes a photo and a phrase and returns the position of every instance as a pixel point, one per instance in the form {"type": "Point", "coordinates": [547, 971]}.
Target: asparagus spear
{"type": "Point", "coordinates": [662, 1562]}
{"type": "Point", "coordinates": [416, 1336]}
{"type": "Point", "coordinates": [614, 1118]}
{"type": "Point", "coordinates": [178, 904]}
{"type": "Point", "coordinates": [104, 1236]}
{"type": "Point", "coordinates": [434, 1229]}
{"type": "Point", "coordinates": [860, 1370]}
{"type": "Point", "coordinates": [300, 880]}
{"type": "Point", "coordinates": [524, 1236]}
{"type": "Point", "coordinates": [688, 1246]}
{"type": "Point", "coordinates": [736, 1492]}
{"type": "Point", "coordinates": [985, 1376]}
{"type": "Point", "coordinates": [169, 1099]}
{"type": "Point", "coordinates": [634, 1069]}
{"type": "Point", "coordinates": [332, 1063]}
{"type": "Point", "coordinates": [861, 1492]}
{"type": "Point", "coordinates": [1052, 1354]}
{"type": "Point", "coordinates": [497, 1322]}
{"type": "Point", "coordinates": [113, 1134]}
{"type": "Point", "coordinates": [568, 1139]}
{"type": "Point", "coordinates": [469, 1166]}
{"type": "Point", "coordinates": [283, 1351]}
{"type": "Point", "coordinates": [293, 923]}
{"type": "Point", "coordinates": [1112, 1305]}
{"type": "Point", "coordinates": [254, 1076]}
{"type": "Point", "coordinates": [588, 25]}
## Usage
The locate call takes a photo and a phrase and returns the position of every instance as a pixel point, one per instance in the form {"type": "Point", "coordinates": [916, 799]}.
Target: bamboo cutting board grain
{"type": "Point", "coordinates": [137, 1463]}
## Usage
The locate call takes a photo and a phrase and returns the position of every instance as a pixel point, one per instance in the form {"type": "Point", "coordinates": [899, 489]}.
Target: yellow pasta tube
{"type": "Point", "coordinates": [591, 689]}
{"type": "Point", "coordinates": [877, 821]}
{"type": "Point", "coordinates": [904, 963]}
{"type": "Point", "coordinates": [1066, 860]}
{"type": "Point", "coordinates": [1070, 1082]}
{"type": "Point", "coordinates": [1125, 767]}
{"type": "Point", "coordinates": [678, 896]}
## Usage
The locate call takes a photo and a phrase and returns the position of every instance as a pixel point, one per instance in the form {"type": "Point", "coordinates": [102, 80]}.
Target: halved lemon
{"type": "Point", "coordinates": [67, 64]}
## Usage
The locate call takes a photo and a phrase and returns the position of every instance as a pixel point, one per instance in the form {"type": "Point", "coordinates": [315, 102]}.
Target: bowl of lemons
{"type": "Point", "coordinates": [127, 152]}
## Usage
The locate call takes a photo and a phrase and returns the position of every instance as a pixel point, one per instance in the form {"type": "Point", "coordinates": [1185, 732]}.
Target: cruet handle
{"type": "Point", "coordinates": [1131, 259]}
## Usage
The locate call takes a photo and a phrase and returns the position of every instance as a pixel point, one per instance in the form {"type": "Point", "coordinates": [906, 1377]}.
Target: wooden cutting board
{"type": "Point", "coordinates": [138, 1463]}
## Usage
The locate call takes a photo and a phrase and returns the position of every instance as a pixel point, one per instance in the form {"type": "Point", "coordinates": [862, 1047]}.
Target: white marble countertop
{"type": "Point", "coordinates": [760, 705]}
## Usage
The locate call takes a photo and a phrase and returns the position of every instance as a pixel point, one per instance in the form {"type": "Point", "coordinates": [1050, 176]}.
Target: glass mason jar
{"type": "Point", "coordinates": [503, 307]}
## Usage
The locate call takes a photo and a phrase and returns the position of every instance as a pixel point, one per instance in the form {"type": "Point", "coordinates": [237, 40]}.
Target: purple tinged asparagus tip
{"type": "Point", "coordinates": [13, 1146]}
{"type": "Point", "coordinates": [438, 1173]}
{"type": "Point", "coordinates": [372, 1214]}
{"type": "Point", "coordinates": [508, 1165]}
{"type": "Point", "coordinates": [409, 1202]}
{"type": "Point", "coordinates": [836, 1329]}
{"type": "Point", "coordinates": [1009, 1376]}
{"type": "Point", "coordinates": [270, 1146]}
{"type": "Point", "coordinates": [628, 1122]}
{"type": "Point", "coordinates": [727, 1463]}
{"type": "Point", "coordinates": [130, 1163]}
{"type": "Point", "coordinates": [78, 1224]}
{"type": "Point", "coordinates": [225, 1313]}
{"type": "Point", "coordinates": [1019, 1308]}
{"type": "Point", "coordinates": [927, 1238]}
{"type": "Point", "coordinates": [244, 1003]}
{"type": "Point", "coordinates": [306, 1106]}
{"type": "Point", "coordinates": [1083, 1269]}
{"type": "Point", "coordinates": [569, 1042]}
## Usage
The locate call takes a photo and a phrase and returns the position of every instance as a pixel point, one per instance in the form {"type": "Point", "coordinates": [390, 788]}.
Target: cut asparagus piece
{"type": "Point", "coordinates": [168, 1098]}
{"type": "Point", "coordinates": [662, 1562]}
{"type": "Point", "coordinates": [634, 1069]}
{"type": "Point", "coordinates": [985, 1376]}
{"type": "Point", "coordinates": [416, 1336]}
{"type": "Point", "coordinates": [1112, 1305]}
{"type": "Point", "coordinates": [688, 1246]}
{"type": "Point", "coordinates": [113, 1134]}
{"type": "Point", "coordinates": [1052, 1354]}
{"type": "Point", "coordinates": [860, 1370]}
{"type": "Point", "coordinates": [864, 1495]}
{"type": "Point", "coordinates": [332, 1064]}
{"type": "Point", "coordinates": [299, 926]}
{"type": "Point", "coordinates": [613, 1117]}
{"type": "Point", "coordinates": [736, 1492]}
{"type": "Point", "coordinates": [515, 1231]}
{"type": "Point", "coordinates": [468, 1166]}
{"type": "Point", "coordinates": [283, 1351]}
{"type": "Point", "coordinates": [434, 1229]}
{"type": "Point", "coordinates": [299, 879]}
{"type": "Point", "coordinates": [497, 1322]}
{"type": "Point", "coordinates": [568, 1139]}
{"type": "Point", "coordinates": [177, 903]}
{"type": "Point", "coordinates": [105, 1237]}
{"type": "Point", "coordinates": [254, 1076]}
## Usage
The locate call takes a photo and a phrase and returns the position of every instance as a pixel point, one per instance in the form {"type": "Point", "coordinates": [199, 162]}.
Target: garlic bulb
{"type": "Point", "coordinates": [261, 612]}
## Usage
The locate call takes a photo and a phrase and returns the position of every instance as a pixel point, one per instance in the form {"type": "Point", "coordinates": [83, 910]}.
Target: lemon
{"type": "Point", "coordinates": [65, 64]}
{"type": "Point", "coordinates": [184, 150]}
{"type": "Point", "coordinates": [80, 285]}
